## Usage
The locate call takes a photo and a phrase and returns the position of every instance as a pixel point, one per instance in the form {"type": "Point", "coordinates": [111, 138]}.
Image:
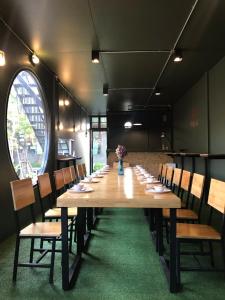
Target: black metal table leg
{"type": "Point", "coordinates": [90, 218]}
{"type": "Point", "coordinates": [159, 231]}
{"type": "Point", "coordinates": [173, 253]}
{"type": "Point", "coordinates": [65, 251]}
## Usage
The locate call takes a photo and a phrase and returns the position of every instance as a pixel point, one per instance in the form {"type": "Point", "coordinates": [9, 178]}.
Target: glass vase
{"type": "Point", "coordinates": [120, 167]}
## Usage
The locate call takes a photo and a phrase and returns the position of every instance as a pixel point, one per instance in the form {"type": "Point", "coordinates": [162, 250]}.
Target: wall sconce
{"type": "Point", "coordinates": [2, 58]}
{"type": "Point", "coordinates": [34, 59]}
{"type": "Point", "coordinates": [95, 56]}
{"type": "Point", "coordinates": [128, 124]}
{"type": "Point", "coordinates": [60, 126]}
{"type": "Point", "coordinates": [65, 102]}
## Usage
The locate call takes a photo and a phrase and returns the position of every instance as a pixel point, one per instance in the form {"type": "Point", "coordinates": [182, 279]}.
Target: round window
{"type": "Point", "coordinates": [27, 127]}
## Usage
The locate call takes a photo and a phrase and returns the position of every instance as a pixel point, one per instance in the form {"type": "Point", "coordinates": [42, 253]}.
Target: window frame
{"type": "Point", "coordinates": [47, 120]}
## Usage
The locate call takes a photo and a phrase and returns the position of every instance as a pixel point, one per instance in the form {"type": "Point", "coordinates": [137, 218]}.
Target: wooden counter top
{"type": "Point", "coordinates": [119, 191]}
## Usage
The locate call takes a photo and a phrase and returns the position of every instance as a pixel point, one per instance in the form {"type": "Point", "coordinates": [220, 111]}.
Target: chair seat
{"type": "Point", "coordinates": [197, 231]}
{"type": "Point", "coordinates": [56, 212]}
{"type": "Point", "coordinates": [45, 229]}
{"type": "Point", "coordinates": [187, 214]}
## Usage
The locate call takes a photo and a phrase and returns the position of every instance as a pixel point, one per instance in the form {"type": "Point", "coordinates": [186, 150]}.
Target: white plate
{"type": "Point", "coordinates": [154, 181]}
{"type": "Point", "coordinates": [165, 190]}
{"type": "Point", "coordinates": [86, 190]}
{"type": "Point", "coordinates": [93, 181]}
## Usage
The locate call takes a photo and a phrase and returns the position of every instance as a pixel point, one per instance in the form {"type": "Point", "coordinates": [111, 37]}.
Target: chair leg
{"type": "Point", "coordinates": [223, 253]}
{"type": "Point", "coordinates": [211, 254]}
{"type": "Point", "coordinates": [52, 261]}
{"type": "Point", "coordinates": [167, 231]}
{"type": "Point", "coordinates": [70, 236]}
{"type": "Point", "coordinates": [178, 263]}
{"type": "Point", "coordinates": [31, 250]}
{"type": "Point", "coordinates": [16, 257]}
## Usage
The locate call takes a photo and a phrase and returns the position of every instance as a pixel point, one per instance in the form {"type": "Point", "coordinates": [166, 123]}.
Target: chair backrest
{"type": "Point", "coordinates": [22, 193]}
{"type": "Point", "coordinates": [44, 185]}
{"type": "Point", "coordinates": [185, 180]}
{"type": "Point", "coordinates": [84, 169]}
{"type": "Point", "coordinates": [160, 170]}
{"type": "Point", "coordinates": [164, 169]}
{"type": "Point", "coordinates": [73, 173]}
{"type": "Point", "coordinates": [67, 175]}
{"type": "Point", "coordinates": [169, 174]}
{"type": "Point", "coordinates": [80, 170]}
{"type": "Point", "coordinates": [176, 176]}
{"type": "Point", "coordinates": [216, 197]}
{"type": "Point", "coordinates": [59, 180]}
{"type": "Point", "coordinates": [197, 185]}
{"type": "Point", "coordinates": [125, 164]}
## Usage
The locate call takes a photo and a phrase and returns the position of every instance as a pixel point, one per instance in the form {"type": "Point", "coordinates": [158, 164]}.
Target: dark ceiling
{"type": "Point", "coordinates": [141, 36]}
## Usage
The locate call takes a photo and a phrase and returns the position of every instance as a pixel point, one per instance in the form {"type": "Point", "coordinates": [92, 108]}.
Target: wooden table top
{"type": "Point", "coordinates": [119, 191]}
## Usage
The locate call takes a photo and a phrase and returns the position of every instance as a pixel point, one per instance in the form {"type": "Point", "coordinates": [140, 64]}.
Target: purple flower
{"type": "Point", "coordinates": [121, 151]}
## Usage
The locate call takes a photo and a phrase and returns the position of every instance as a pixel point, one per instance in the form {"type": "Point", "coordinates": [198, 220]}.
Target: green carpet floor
{"type": "Point", "coordinates": [121, 263]}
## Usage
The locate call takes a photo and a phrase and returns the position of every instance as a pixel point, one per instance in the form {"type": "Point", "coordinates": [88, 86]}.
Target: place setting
{"type": "Point", "coordinates": [90, 179]}
{"type": "Point", "coordinates": [81, 188]}
{"type": "Point", "coordinates": [158, 189]}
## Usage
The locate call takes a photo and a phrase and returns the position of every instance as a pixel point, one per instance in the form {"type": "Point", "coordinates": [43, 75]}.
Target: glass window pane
{"type": "Point", "coordinates": [26, 127]}
{"type": "Point", "coordinates": [103, 122]}
{"type": "Point", "coordinates": [94, 122]}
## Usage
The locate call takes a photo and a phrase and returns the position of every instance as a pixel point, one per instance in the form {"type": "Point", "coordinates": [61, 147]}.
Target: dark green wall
{"type": "Point", "coordinates": [144, 138]}
{"type": "Point", "coordinates": [199, 120]}
{"type": "Point", "coordinates": [16, 60]}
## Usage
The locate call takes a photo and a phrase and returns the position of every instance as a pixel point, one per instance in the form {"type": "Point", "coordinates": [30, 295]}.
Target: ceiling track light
{"type": "Point", "coordinates": [105, 89]}
{"type": "Point", "coordinates": [2, 58]}
{"type": "Point", "coordinates": [95, 56]}
{"type": "Point", "coordinates": [158, 92]}
{"type": "Point", "coordinates": [34, 59]}
{"type": "Point", "coordinates": [177, 56]}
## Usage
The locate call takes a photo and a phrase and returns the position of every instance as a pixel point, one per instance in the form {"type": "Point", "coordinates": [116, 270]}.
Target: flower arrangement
{"type": "Point", "coordinates": [121, 151]}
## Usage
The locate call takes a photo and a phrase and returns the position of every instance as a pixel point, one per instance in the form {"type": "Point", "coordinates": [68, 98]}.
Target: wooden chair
{"type": "Point", "coordinates": [206, 233]}
{"type": "Point", "coordinates": [163, 174]}
{"type": "Point", "coordinates": [46, 195]}
{"type": "Point", "coordinates": [160, 171]}
{"type": "Point", "coordinates": [59, 182]}
{"type": "Point", "coordinates": [23, 196]}
{"type": "Point", "coordinates": [184, 190]}
{"type": "Point", "coordinates": [73, 174]}
{"type": "Point", "coordinates": [196, 193]}
{"type": "Point", "coordinates": [80, 171]}
{"type": "Point", "coordinates": [169, 177]}
{"type": "Point", "coordinates": [53, 214]}
{"type": "Point", "coordinates": [84, 169]}
{"type": "Point", "coordinates": [67, 176]}
{"type": "Point", "coordinates": [176, 180]}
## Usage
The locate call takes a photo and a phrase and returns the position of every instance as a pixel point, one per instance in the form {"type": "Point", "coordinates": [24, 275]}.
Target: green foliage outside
{"type": "Point", "coordinates": [98, 166]}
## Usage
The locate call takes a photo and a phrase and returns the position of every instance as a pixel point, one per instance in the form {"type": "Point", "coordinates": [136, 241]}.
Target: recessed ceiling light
{"type": "Point", "coordinates": [95, 56]}
{"type": "Point", "coordinates": [177, 55]}
{"type": "Point", "coordinates": [66, 102]}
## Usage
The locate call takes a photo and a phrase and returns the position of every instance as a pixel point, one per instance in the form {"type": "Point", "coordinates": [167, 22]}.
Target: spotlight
{"type": "Point", "coordinates": [95, 56]}
{"type": "Point", "coordinates": [177, 56]}
{"type": "Point", "coordinates": [158, 93]}
{"type": "Point", "coordinates": [105, 89]}
{"type": "Point", "coordinates": [34, 59]}
{"type": "Point", "coordinates": [2, 58]}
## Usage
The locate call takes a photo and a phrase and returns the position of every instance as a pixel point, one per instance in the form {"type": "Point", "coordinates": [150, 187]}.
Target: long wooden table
{"type": "Point", "coordinates": [113, 191]}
